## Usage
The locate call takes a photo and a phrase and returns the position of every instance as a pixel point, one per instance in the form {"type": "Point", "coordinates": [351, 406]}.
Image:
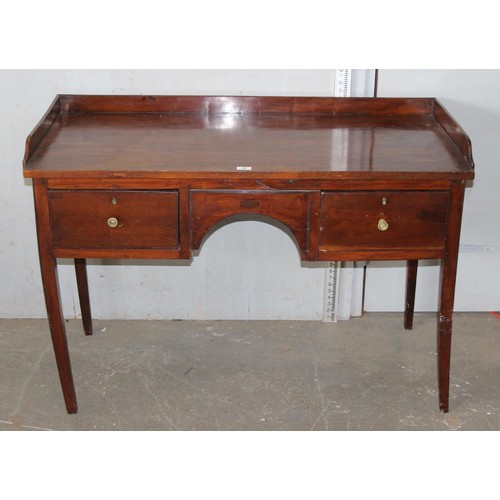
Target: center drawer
{"type": "Point", "coordinates": [210, 207]}
{"type": "Point", "coordinates": [114, 219]}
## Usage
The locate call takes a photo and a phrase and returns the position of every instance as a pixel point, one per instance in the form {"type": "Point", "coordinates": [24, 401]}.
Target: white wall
{"type": "Point", "coordinates": [245, 269]}
{"type": "Point", "coordinates": [473, 98]}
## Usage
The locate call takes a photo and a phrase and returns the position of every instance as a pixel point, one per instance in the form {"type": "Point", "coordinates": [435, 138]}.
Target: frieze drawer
{"type": "Point", "coordinates": [381, 220]}
{"type": "Point", "coordinates": [114, 219]}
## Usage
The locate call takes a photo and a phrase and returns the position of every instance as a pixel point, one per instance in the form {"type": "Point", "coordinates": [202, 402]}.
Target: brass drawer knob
{"type": "Point", "coordinates": [383, 225]}
{"type": "Point", "coordinates": [112, 222]}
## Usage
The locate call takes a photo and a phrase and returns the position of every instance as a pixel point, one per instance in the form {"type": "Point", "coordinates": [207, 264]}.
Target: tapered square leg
{"type": "Point", "coordinates": [58, 332]}
{"type": "Point", "coordinates": [444, 357]}
{"type": "Point", "coordinates": [48, 267]}
{"type": "Point", "coordinates": [447, 294]}
{"type": "Point", "coordinates": [83, 294]}
{"type": "Point", "coordinates": [411, 284]}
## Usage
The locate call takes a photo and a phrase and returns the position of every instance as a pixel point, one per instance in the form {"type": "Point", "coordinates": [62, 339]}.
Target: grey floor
{"type": "Point", "coordinates": [364, 374]}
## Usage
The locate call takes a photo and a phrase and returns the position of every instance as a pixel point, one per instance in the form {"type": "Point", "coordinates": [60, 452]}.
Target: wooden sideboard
{"type": "Point", "coordinates": [117, 177]}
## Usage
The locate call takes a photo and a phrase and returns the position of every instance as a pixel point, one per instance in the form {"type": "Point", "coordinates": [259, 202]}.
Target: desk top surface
{"type": "Point", "coordinates": [168, 136]}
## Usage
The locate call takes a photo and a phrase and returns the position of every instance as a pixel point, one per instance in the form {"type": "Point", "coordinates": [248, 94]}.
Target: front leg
{"type": "Point", "coordinates": [48, 267]}
{"type": "Point", "coordinates": [447, 293]}
{"type": "Point", "coordinates": [448, 273]}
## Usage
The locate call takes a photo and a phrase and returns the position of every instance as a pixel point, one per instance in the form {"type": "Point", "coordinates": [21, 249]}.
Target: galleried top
{"type": "Point", "coordinates": [85, 136]}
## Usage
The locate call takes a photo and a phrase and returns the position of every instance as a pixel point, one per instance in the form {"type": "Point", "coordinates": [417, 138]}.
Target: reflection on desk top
{"type": "Point", "coordinates": [314, 138]}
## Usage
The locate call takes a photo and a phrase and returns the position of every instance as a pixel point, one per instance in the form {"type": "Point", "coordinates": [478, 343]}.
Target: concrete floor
{"type": "Point", "coordinates": [363, 374]}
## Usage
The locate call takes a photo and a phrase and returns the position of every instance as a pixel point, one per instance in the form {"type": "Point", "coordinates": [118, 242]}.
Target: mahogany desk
{"type": "Point", "coordinates": [118, 177]}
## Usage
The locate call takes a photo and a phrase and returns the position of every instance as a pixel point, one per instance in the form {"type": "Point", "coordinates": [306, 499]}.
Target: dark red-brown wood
{"type": "Point", "coordinates": [447, 294]}
{"type": "Point", "coordinates": [208, 208]}
{"type": "Point", "coordinates": [154, 136]}
{"type": "Point", "coordinates": [144, 219]}
{"type": "Point", "coordinates": [349, 179]}
{"type": "Point", "coordinates": [411, 285]}
{"type": "Point", "coordinates": [83, 294]}
{"type": "Point", "coordinates": [48, 268]}
{"type": "Point", "coordinates": [410, 219]}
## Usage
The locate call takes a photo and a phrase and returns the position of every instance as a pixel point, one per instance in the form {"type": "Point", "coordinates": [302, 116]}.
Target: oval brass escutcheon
{"type": "Point", "coordinates": [249, 203]}
{"type": "Point", "coordinates": [383, 225]}
{"type": "Point", "coordinates": [112, 222]}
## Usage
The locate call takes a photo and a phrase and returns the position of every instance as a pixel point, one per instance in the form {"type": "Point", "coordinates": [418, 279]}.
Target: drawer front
{"type": "Point", "coordinates": [114, 219]}
{"type": "Point", "coordinates": [290, 208]}
{"type": "Point", "coordinates": [378, 220]}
